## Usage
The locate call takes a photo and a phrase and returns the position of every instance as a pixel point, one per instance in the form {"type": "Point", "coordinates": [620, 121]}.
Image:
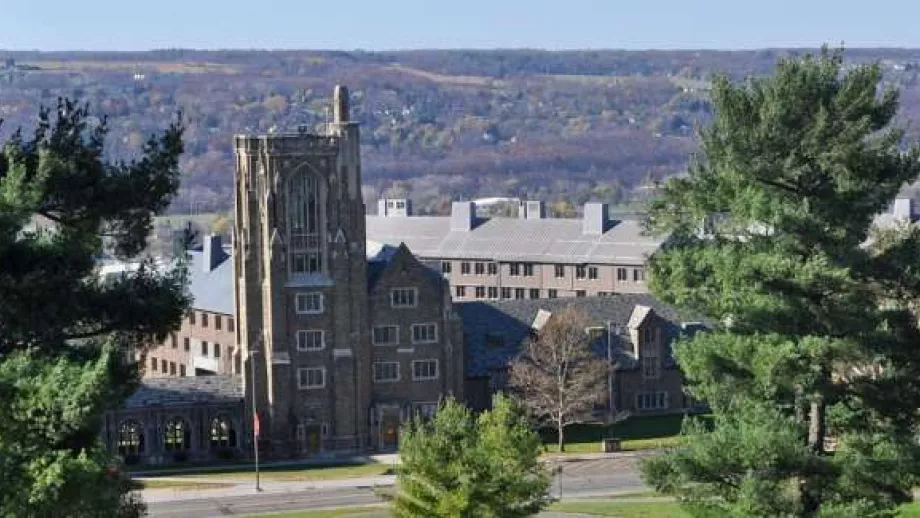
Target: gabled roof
{"type": "Point", "coordinates": [638, 316]}
{"type": "Point", "coordinates": [185, 391]}
{"type": "Point", "coordinates": [388, 257]}
{"type": "Point", "coordinates": [551, 240]}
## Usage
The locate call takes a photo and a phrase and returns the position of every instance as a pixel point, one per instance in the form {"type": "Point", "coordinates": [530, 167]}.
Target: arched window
{"type": "Point", "coordinates": [130, 438]}
{"type": "Point", "coordinates": [222, 433]}
{"type": "Point", "coordinates": [303, 206]}
{"type": "Point", "coordinates": [178, 435]}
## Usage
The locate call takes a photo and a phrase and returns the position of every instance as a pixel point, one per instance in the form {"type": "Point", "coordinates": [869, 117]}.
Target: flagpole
{"type": "Point", "coordinates": [255, 414]}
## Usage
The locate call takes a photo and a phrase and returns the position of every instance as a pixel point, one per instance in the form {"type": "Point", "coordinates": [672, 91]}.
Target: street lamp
{"type": "Point", "coordinates": [255, 412]}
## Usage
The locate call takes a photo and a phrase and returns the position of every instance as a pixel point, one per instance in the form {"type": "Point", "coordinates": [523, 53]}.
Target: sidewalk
{"type": "Point", "coordinates": [248, 487]}
{"type": "Point", "coordinates": [330, 460]}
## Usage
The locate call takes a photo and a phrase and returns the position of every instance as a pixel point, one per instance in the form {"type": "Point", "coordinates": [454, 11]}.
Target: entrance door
{"type": "Point", "coordinates": [309, 437]}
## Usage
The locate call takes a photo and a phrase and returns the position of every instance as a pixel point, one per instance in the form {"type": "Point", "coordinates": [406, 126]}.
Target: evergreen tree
{"type": "Point", "coordinates": [462, 466]}
{"type": "Point", "coordinates": [809, 347]}
{"type": "Point", "coordinates": [65, 333]}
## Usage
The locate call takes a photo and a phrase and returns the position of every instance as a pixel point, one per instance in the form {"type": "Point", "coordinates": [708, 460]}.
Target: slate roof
{"type": "Point", "coordinates": [549, 240]}
{"type": "Point", "coordinates": [514, 320]}
{"type": "Point", "coordinates": [185, 391]}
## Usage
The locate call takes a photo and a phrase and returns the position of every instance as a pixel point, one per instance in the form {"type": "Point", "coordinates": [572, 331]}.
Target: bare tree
{"type": "Point", "coordinates": [557, 376]}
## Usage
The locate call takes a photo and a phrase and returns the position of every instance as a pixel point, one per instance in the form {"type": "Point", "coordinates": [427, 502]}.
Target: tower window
{"type": "Point", "coordinates": [304, 224]}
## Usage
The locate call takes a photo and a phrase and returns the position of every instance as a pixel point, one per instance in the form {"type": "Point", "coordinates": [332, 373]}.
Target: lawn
{"type": "Point", "coordinates": [296, 473]}
{"type": "Point", "coordinates": [636, 433]}
{"type": "Point", "coordinates": [180, 485]}
{"type": "Point", "coordinates": [613, 507]}
{"type": "Point", "coordinates": [355, 512]}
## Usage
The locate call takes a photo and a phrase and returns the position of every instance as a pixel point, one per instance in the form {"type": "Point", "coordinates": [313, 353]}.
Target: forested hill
{"type": "Point", "coordinates": [437, 125]}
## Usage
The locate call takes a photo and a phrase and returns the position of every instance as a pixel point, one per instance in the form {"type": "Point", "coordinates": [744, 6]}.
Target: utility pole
{"type": "Point", "coordinates": [255, 412]}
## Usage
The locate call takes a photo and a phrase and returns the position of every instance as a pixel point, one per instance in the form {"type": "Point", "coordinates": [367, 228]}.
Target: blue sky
{"type": "Point", "coordinates": [403, 24]}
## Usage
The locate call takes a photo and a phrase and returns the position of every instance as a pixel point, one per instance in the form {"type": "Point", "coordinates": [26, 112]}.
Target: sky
{"type": "Point", "coordinates": [413, 24]}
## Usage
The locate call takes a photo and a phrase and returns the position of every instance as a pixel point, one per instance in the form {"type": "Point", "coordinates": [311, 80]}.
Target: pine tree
{"type": "Point", "coordinates": [64, 331]}
{"type": "Point", "coordinates": [810, 348]}
{"type": "Point", "coordinates": [462, 466]}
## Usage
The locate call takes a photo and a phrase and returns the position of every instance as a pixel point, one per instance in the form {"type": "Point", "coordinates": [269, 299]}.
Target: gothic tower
{"type": "Point", "coordinates": [301, 284]}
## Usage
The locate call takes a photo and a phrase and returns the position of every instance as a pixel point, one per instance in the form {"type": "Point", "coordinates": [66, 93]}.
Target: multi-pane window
{"type": "Point", "coordinates": [217, 322]}
{"type": "Point", "coordinates": [191, 317]}
{"type": "Point", "coordinates": [204, 348]}
{"type": "Point", "coordinates": [164, 365]}
{"type": "Point", "coordinates": [479, 268]}
{"type": "Point", "coordinates": [559, 271]}
{"type": "Point", "coordinates": [592, 272]}
{"type": "Point", "coordinates": [182, 370]}
{"type": "Point", "coordinates": [187, 343]}
{"type": "Point", "coordinates": [304, 224]}
{"type": "Point", "coordinates": [309, 303]}
{"type": "Point", "coordinates": [153, 364]}
{"type": "Point", "coordinates": [424, 370]}
{"type": "Point", "coordinates": [461, 291]}
{"type": "Point", "coordinates": [445, 266]}
{"type": "Point", "coordinates": [222, 433]}
{"type": "Point", "coordinates": [493, 292]}
{"type": "Point", "coordinates": [311, 377]}
{"type": "Point", "coordinates": [514, 269]}
{"type": "Point", "coordinates": [519, 293]}
{"type": "Point", "coordinates": [652, 400]}
{"type": "Point", "coordinates": [528, 270]}
{"type": "Point", "coordinates": [465, 268]}
{"type": "Point", "coordinates": [310, 340]}
{"type": "Point", "coordinates": [581, 293]}
{"type": "Point", "coordinates": [230, 324]}
{"type": "Point", "coordinates": [386, 372]}
{"type": "Point", "coordinates": [552, 294]}
{"type": "Point", "coordinates": [651, 367]}
{"type": "Point", "coordinates": [174, 340]}
{"type": "Point", "coordinates": [534, 293]}
{"type": "Point", "coordinates": [178, 435]}
{"type": "Point", "coordinates": [638, 275]}
{"type": "Point", "coordinates": [172, 368]}
{"type": "Point", "coordinates": [424, 333]}
{"type": "Point", "coordinates": [581, 272]}
{"type": "Point", "coordinates": [506, 293]}
{"type": "Point", "coordinates": [216, 350]}
{"type": "Point", "coordinates": [130, 438]}
{"type": "Point", "coordinates": [204, 319]}
{"type": "Point", "coordinates": [386, 335]}
{"type": "Point", "coordinates": [403, 297]}
{"type": "Point", "coordinates": [480, 292]}
{"type": "Point", "coordinates": [493, 268]}
{"type": "Point", "coordinates": [621, 274]}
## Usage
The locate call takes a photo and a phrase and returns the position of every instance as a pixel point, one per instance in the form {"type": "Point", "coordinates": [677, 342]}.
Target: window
{"type": "Point", "coordinates": [552, 294]}
{"type": "Point", "coordinates": [309, 303]}
{"type": "Point", "coordinates": [604, 294]}
{"type": "Point", "coordinates": [222, 433]}
{"type": "Point", "coordinates": [461, 291]}
{"type": "Point", "coordinates": [386, 335]}
{"type": "Point", "coordinates": [216, 350]}
{"type": "Point", "coordinates": [178, 436]}
{"type": "Point", "coordinates": [204, 319]}
{"type": "Point", "coordinates": [311, 377]}
{"type": "Point", "coordinates": [174, 340]}
{"type": "Point", "coordinates": [403, 297]}
{"type": "Point", "coordinates": [639, 275]}
{"type": "Point", "coordinates": [506, 293]}
{"type": "Point", "coordinates": [445, 267]}
{"type": "Point", "coordinates": [480, 292]}
{"type": "Point", "coordinates": [465, 268]}
{"type": "Point", "coordinates": [581, 293]}
{"type": "Point", "coordinates": [310, 340]}
{"type": "Point", "coordinates": [652, 400]}
{"type": "Point", "coordinates": [621, 274]}
{"type": "Point", "coordinates": [493, 268]}
{"type": "Point", "coordinates": [153, 364]}
{"type": "Point", "coordinates": [303, 206]}
{"type": "Point", "coordinates": [204, 348]}
{"type": "Point", "coordinates": [528, 270]}
{"type": "Point", "coordinates": [182, 370]}
{"type": "Point", "coordinates": [592, 273]}
{"type": "Point", "coordinates": [534, 293]}
{"type": "Point", "coordinates": [559, 271]}
{"type": "Point", "coordinates": [519, 293]}
{"type": "Point", "coordinates": [130, 438]}
{"type": "Point", "coordinates": [423, 370]}
{"type": "Point", "coordinates": [479, 268]}
{"type": "Point", "coordinates": [514, 269]}
{"type": "Point", "coordinates": [217, 322]}
{"type": "Point", "coordinates": [493, 292]}
{"type": "Point", "coordinates": [424, 333]}
{"type": "Point", "coordinates": [187, 343]}
{"type": "Point", "coordinates": [164, 366]}
{"type": "Point", "coordinates": [651, 367]}
{"type": "Point", "coordinates": [191, 317]}
{"type": "Point", "coordinates": [230, 324]}
{"type": "Point", "coordinates": [595, 333]}
{"type": "Point", "coordinates": [581, 272]}
{"type": "Point", "coordinates": [495, 340]}
{"type": "Point", "coordinates": [386, 372]}
{"type": "Point", "coordinates": [172, 368]}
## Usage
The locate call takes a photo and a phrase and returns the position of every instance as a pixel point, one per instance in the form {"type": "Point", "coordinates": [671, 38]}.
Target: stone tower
{"type": "Point", "coordinates": [301, 284]}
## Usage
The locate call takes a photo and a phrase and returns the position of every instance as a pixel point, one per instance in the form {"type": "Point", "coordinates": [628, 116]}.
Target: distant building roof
{"type": "Point", "coordinates": [183, 391]}
{"type": "Point", "coordinates": [550, 240]}
{"type": "Point", "coordinates": [512, 321]}
{"type": "Point", "coordinates": [212, 290]}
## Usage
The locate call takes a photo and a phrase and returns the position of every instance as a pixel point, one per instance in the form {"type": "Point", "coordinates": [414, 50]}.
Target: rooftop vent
{"type": "Point", "coordinates": [595, 219]}
{"type": "Point", "coordinates": [533, 209]}
{"type": "Point", "coordinates": [462, 216]}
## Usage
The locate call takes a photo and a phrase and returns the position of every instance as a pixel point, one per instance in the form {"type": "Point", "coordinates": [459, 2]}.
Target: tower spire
{"type": "Point", "coordinates": [340, 104]}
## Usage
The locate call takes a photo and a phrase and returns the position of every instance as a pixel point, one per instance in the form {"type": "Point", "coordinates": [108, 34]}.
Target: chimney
{"type": "Point", "coordinates": [340, 104]}
{"type": "Point", "coordinates": [462, 216]}
{"type": "Point", "coordinates": [903, 209]}
{"type": "Point", "coordinates": [394, 207]}
{"type": "Point", "coordinates": [212, 252]}
{"type": "Point", "coordinates": [532, 209]}
{"type": "Point", "coordinates": [595, 219]}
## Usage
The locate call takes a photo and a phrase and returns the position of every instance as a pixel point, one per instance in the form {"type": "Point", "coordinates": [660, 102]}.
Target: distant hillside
{"type": "Point", "coordinates": [559, 126]}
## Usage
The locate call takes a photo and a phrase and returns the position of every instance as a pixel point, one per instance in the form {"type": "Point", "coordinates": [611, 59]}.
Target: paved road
{"type": "Point", "coordinates": [579, 479]}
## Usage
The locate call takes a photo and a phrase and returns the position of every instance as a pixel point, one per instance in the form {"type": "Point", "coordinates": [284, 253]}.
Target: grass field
{"type": "Point", "coordinates": [637, 433]}
{"type": "Point", "coordinates": [355, 512]}
{"type": "Point", "coordinates": [295, 473]}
